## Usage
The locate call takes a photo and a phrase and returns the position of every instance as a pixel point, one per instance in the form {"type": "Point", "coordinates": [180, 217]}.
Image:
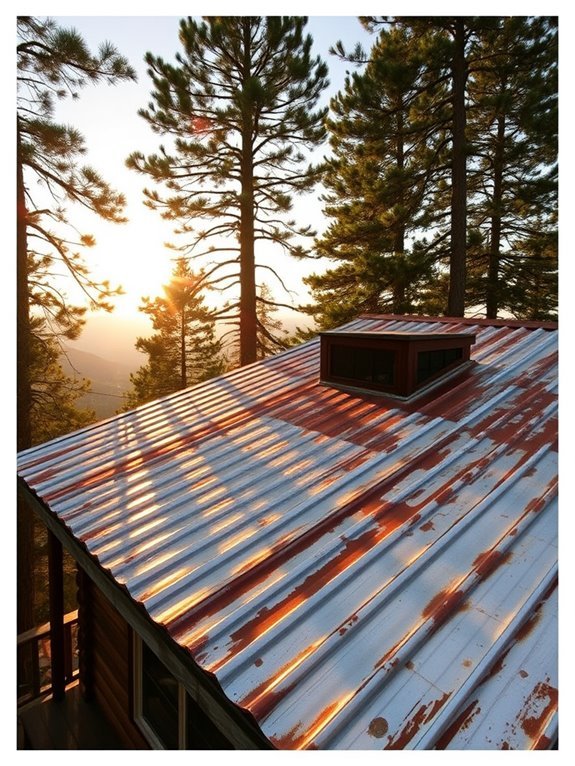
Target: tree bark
{"type": "Point", "coordinates": [24, 388]}
{"type": "Point", "coordinates": [248, 316]}
{"type": "Point", "coordinates": [25, 518]}
{"type": "Point", "coordinates": [492, 293]}
{"type": "Point", "coordinates": [457, 265]}
{"type": "Point", "coordinates": [183, 358]}
{"type": "Point", "coordinates": [399, 234]}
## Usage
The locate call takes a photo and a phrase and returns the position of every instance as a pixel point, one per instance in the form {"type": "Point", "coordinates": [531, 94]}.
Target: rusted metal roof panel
{"type": "Point", "coordinates": [357, 572]}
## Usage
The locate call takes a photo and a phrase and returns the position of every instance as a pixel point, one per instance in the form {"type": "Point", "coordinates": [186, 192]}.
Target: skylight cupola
{"type": "Point", "coordinates": [399, 364]}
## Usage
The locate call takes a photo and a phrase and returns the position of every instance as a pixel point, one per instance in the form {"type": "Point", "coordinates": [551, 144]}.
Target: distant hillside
{"type": "Point", "coordinates": [109, 380]}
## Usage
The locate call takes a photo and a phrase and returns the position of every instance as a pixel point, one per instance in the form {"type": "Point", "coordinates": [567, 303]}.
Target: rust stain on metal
{"type": "Point", "coordinates": [538, 371]}
{"type": "Point", "coordinates": [263, 698]}
{"type": "Point", "coordinates": [389, 516]}
{"type": "Point", "coordinates": [267, 617]}
{"type": "Point", "coordinates": [460, 723]}
{"type": "Point", "coordinates": [508, 409]}
{"type": "Point", "coordinates": [497, 666]}
{"type": "Point", "coordinates": [523, 632]}
{"type": "Point", "coordinates": [510, 425]}
{"type": "Point", "coordinates": [443, 604]}
{"type": "Point", "coordinates": [543, 743]}
{"type": "Point", "coordinates": [296, 738]}
{"type": "Point", "coordinates": [539, 503]}
{"type": "Point", "coordinates": [286, 740]}
{"type": "Point", "coordinates": [348, 624]}
{"type": "Point", "coordinates": [423, 715]}
{"type": "Point", "coordinates": [486, 563]}
{"type": "Point", "coordinates": [378, 728]}
{"type": "Point", "coordinates": [542, 694]}
{"type": "Point", "coordinates": [528, 626]}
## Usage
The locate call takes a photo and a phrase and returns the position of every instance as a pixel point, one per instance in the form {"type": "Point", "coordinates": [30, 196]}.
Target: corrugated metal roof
{"type": "Point", "coordinates": [356, 572]}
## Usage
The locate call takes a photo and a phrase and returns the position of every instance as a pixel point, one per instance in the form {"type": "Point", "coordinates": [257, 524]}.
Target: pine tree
{"type": "Point", "coordinates": [183, 350]}
{"type": "Point", "coordinates": [485, 99]}
{"type": "Point", "coordinates": [240, 103]}
{"type": "Point", "coordinates": [52, 63]}
{"type": "Point", "coordinates": [54, 394]}
{"type": "Point", "coordinates": [449, 66]}
{"type": "Point", "coordinates": [513, 212]}
{"type": "Point", "coordinates": [379, 187]}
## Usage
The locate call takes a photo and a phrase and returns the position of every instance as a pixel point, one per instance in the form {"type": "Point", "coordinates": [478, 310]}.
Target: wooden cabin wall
{"type": "Point", "coordinates": [105, 647]}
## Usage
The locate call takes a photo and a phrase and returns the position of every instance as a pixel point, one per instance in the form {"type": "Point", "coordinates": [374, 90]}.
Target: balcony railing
{"type": "Point", "coordinates": [34, 660]}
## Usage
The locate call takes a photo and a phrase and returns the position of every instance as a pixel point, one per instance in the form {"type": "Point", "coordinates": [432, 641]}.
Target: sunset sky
{"type": "Point", "coordinates": [133, 255]}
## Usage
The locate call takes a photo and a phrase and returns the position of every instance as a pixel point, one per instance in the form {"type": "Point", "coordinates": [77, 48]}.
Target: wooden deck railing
{"type": "Point", "coordinates": [34, 664]}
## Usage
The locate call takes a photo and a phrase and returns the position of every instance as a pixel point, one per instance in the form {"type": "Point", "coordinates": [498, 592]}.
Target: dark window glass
{"type": "Point", "coordinates": [383, 367]}
{"type": "Point", "coordinates": [202, 733]}
{"type": "Point", "coordinates": [341, 361]}
{"type": "Point", "coordinates": [430, 363]}
{"type": "Point", "coordinates": [159, 699]}
{"type": "Point", "coordinates": [364, 365]}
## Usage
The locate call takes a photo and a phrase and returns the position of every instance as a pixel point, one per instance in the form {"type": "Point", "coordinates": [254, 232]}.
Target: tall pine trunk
{"type": "Point", "coordinates": [25, 518]}
{"type": "Point", "coordinates": [248, 316]}
{"type": "Point", "coordinates": [457, 265]}
{"type": "Point", "coordinates": [183, 356]}
{"type": "Point", "coordinates": [24, 387]}
{"type": "Point", "coordinates": [399, 234]}
{"type": "Point", "coordinates": [492, 293]}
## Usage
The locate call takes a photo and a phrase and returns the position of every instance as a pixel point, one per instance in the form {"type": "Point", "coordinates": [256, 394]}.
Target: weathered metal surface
{"type": "Point", "coordinates": [356, 572]}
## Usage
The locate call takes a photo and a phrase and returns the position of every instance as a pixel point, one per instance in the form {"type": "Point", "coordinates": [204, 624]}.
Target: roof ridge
{"type": "Point", "coordinates": [481, 321]}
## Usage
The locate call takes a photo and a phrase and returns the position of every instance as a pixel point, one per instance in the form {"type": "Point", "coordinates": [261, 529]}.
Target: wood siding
{"type": "Point", "coordinates": [108, 650]}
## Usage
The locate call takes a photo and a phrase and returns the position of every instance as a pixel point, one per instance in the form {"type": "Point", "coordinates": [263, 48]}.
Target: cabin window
{"type": "Point", "coordinates": [167, 715]}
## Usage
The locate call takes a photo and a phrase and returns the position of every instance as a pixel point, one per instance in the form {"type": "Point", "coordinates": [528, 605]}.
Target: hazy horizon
{"type": "Point", "coordinates": [113, 336]}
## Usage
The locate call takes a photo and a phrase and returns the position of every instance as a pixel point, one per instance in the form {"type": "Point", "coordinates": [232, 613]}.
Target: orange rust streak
{"type": "Point", "coordinates": [292, 742]}
{"type": "Point", "coordinates": [462, 722]}
{"type": "Point", "coordinates": [284, 742]}
{"type": "Point", "coordinates": [261, 700]}
{"type": "Point", "coordinates": [424, 714]}
{"type": "Point", "coordinates": [488, 561]}
{"type": "Point", "coordinates": [387, 516]}
{"type": "Point", "coordinates": [535, 724]}
{"type": "Point", "coordinates": [266, 618]}
{"type": "Point", "coordinates": [444, 603]}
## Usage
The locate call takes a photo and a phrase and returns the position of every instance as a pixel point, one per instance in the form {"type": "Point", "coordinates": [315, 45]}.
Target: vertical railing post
{"type": "Point", "coordinates": [56, 590]}
{"type": "Point", "coordinates": [36, 680]}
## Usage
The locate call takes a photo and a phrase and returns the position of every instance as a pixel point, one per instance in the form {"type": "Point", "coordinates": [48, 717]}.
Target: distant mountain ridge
{"type": "Point", "coordinates": [109, 380]}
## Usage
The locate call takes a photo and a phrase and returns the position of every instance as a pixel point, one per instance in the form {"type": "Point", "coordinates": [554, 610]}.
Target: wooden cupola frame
{"type": "Point", "coordinates": [397, 364]}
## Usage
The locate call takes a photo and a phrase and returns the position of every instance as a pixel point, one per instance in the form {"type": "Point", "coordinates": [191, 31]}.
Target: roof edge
{"type": "Point", "coordinates": [482, 322]}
